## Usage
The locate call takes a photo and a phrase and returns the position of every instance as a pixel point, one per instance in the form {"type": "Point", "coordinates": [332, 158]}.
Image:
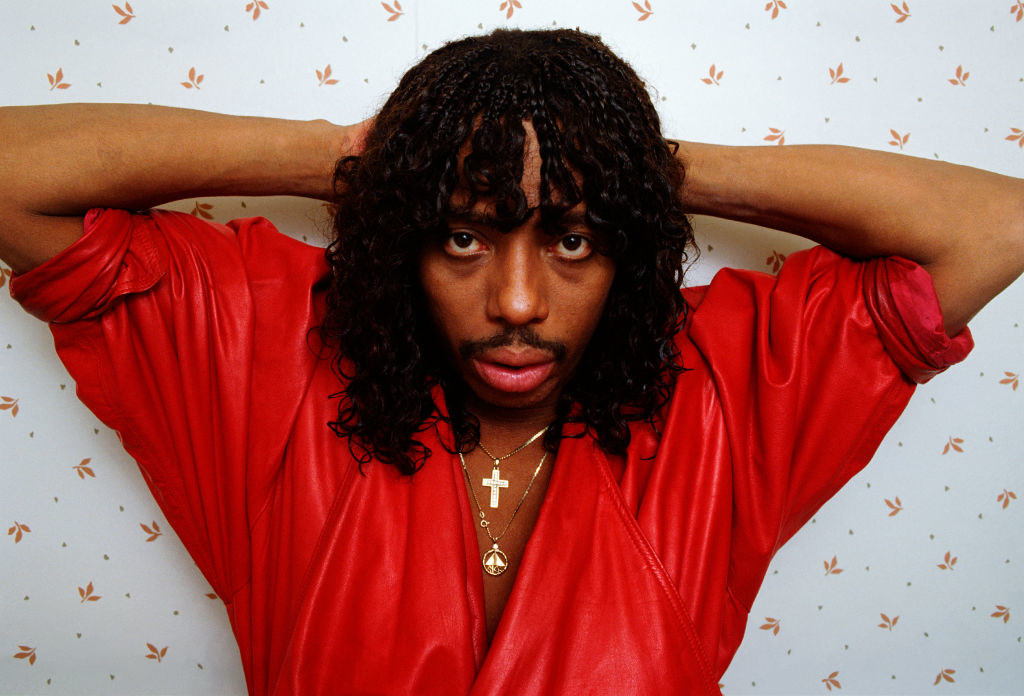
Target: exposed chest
{"type": "Point", "coordinates": [510, 525]}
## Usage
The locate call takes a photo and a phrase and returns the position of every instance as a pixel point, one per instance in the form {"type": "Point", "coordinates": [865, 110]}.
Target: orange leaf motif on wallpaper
{"type": "Point", "coordinates": [325, 77]}
{"type": "Point", "coordinates": [9, 403]}
{"type": "Point", "coordinates": [775, 261]}
{"type": "Point", "coordinates": [771, 624]}
{"type": "Point", "coordinates": [946, 674]}
{"type": "Point", "coordinates": [1005, 497]}
{"type": "Point", "coordinates": [5, 275]}
{"type": "Point", "coordinates": [18, 530]}
{"type": "Point", "coordinates": [644, 10]}
{"type": "Point", "coordinates": [509, 6]}
{"type": "Point", "coordinates": [895, 506]}
{"type": "Point", "coordinates": [830, 681]}
{"type": "Point", "coordinates": [127, 14]}
{"type": "Point", "coordinates": [903, 13]}
{"type": "Point", "coordinates": [153, 531]}
{"type": "Point", "coordinates": [394, 12]}
{"type": "Point", "coordinates": [887, 622]}
{"type": "Point", "coordinates": [255, 7]}
{"type": "Point", "coordinates": [961, 77]}
{"type": "Point", "coordinates": [27, 652]}
{"type": "Point", "coordinates": [953, 444]}
{"type": "Point", "coordinates": [194, 79]}
{"type": "Point", "coordinates": [777, 136]}
{"type": "Point", "coordinates": [1018, 9]}
{"type": "Point", "coordinates": [86, 594]}
{"type": "Point", "coordinates": [1001, 612]}
{"type": "Point", "coordinates": [1012, 378]}
{"type": "Point", "coordinates": [56, 80]}
{"type": "Point", "coordinates": [897, 139]}
{"type": "Point", "coordinates": [83, 469]}
{"type": "Point", "coordinates": [155, 653]}
{"type": "Point", "coordinates": [775, 6]}
{"type": "Point", "coordinates": [713, 75]}
{"type": "Point", "coordinates": [949, 562]}
{"type": "Point", "coordinates": [830, 567]}
{"type": "Point", "coordinates": [837, 75]}
{"type": "Point", "coordinates": [211, 595]}
{"type": "Point", "coordinates": [202, 210]}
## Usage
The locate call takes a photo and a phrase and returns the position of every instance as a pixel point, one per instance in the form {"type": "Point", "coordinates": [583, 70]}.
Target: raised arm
{"type": "Point", "coordinates": [59, 161]}
{"type": "Point", "coordinates": [964, 225]}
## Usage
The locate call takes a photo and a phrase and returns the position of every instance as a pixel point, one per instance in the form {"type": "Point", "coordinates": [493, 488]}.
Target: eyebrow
{"type": "Point", "coordinates": [573, 217]}
{"type": "Point", "coordinates": [474, 217]}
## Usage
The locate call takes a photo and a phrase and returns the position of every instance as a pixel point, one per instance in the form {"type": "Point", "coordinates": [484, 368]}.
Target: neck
{"type": "Point", "coordinates": [501, 437]}
{"type": "Point", "coordinates": [507, 429]}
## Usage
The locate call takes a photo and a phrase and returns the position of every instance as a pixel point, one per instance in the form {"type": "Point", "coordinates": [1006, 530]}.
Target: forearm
{"type": "Point", "coordinates": [965, 225]}
{"type": "Point", "coordinates": [62, 160]}
{"type": "Point", "coordinates": [59, 161]}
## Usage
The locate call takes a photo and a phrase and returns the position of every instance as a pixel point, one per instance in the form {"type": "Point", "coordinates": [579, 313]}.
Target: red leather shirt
{"type": "Point", "coordinates": [190, 339]}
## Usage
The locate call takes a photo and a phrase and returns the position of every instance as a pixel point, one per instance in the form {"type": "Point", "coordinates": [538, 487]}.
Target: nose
{"type": "Point", "coordinates": [518, 292]}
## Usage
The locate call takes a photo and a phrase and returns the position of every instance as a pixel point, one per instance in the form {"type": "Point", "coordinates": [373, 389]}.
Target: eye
{"type": "Point", "coordinates": [461, 243]}
{"type": "Point", "coordinates": [573, 247]}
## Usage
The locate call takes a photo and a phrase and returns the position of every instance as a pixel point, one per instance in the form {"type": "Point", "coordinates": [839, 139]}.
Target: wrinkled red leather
{"type": "Point", "coordinates": [190, 339]}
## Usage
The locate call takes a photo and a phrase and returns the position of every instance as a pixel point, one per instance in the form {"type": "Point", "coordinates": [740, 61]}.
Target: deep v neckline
{"type": "Point", "coordinates": [474, 569]}
{"type": "Point", "coordinates": [527, 634]}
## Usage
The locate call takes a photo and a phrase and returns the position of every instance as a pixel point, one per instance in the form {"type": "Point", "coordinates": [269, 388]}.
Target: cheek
{"type": "Point", "coordinates": [587, 304]}
{"type": "Point", "coordinates": [445, 297]}
{"type": "Point", "coordinates": [598, 286]}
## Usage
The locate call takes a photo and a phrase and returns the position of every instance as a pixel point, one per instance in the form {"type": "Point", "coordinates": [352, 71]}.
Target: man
{"type": "Point", "coordinates": [499, 323]}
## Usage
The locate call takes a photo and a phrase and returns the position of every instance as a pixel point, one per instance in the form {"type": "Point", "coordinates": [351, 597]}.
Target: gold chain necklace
{"type": "Point", "coordinates": [496, 483]}
{"type": "Point", "coordinates": [517, 450]}
{"type": "Point", "coordinates": [494, 560]}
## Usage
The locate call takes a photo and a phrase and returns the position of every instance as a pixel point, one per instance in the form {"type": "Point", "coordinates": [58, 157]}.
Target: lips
{"type": "Point", "coordinates": [513, 371]}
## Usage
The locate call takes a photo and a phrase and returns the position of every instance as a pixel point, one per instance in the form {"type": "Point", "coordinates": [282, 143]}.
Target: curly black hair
{"type": "Point", "coordinates": [600, 142]}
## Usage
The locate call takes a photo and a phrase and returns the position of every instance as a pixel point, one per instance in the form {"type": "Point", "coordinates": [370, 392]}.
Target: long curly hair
{"type": "Point", "coordinates": [458, 116]}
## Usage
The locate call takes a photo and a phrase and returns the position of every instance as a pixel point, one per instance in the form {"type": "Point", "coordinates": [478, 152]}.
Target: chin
{"type": "Point", "coordinates": [544, 396]}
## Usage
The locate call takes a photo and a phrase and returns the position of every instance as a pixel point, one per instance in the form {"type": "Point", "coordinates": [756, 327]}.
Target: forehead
{"type": "Point", "coordinates": [531, 166]}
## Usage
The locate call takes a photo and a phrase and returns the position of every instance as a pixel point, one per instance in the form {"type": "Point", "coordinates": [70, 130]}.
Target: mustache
{"type": "Point", "coordinates": [522, 335]}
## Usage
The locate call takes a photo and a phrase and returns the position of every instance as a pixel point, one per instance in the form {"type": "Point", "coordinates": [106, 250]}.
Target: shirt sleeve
{"type": "Point", "coordinates": [812, 368]}
{"type": "Point", "coordinates": [152, 315]}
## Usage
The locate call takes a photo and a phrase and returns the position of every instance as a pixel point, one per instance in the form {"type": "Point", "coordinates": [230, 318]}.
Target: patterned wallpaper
{"type": "Point", "coordinates": [910, 581]}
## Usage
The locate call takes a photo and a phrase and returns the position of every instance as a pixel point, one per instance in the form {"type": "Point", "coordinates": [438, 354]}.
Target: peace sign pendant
{"type": "Point", "coordinates": [495, 561]}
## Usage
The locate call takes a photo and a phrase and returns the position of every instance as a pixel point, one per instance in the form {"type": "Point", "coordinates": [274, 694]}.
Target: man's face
{"type": "Point", "coordinates": [516, 309]}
